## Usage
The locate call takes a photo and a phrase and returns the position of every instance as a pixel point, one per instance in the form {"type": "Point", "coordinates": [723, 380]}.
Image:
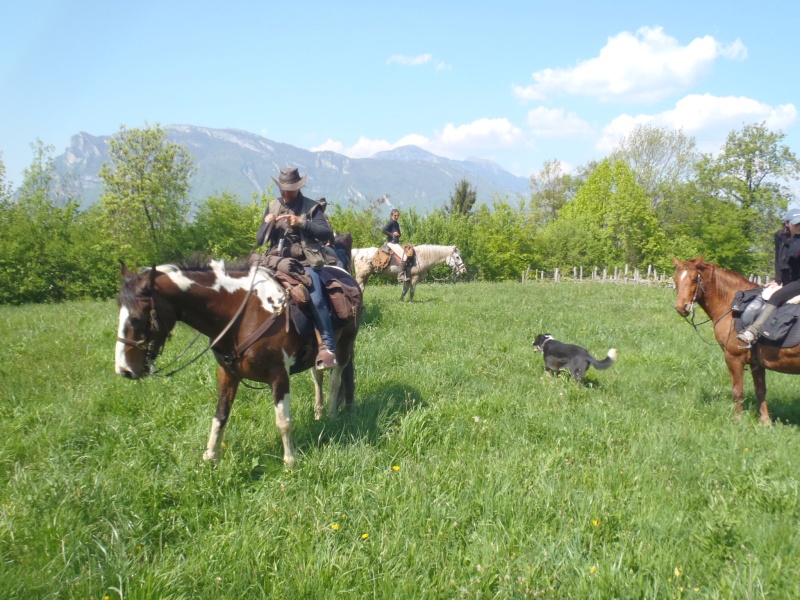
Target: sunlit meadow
{"type": "Point", "coordinates": [462, 472]}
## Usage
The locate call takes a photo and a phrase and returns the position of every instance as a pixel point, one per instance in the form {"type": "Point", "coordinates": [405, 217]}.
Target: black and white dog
{"type": "Point", "coordinates": [558, 356]}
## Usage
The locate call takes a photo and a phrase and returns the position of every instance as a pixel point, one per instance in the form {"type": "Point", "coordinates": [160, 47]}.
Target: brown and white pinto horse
{"type": "Point", "coordinates": [208, 298]}
{"type": "Point", "coordinates": [427, 256]}
{"type": "Point", "coordinates": [714, 288]}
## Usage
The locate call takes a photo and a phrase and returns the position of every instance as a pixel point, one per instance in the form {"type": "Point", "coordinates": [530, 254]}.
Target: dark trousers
{"type": "Point", "coordinates": [787, 292]}
{"type": "Point", "coordinates": [319, 310]}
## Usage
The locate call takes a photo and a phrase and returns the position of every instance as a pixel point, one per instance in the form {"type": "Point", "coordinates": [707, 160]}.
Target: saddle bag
{"type": "Point", "coordinates": [779, 326]}
{"type": "Point", "coordinates": [381, 259]}
{"type": "Point", "coordinates": [297, 291]}
{"type": "Point", "coordinates": [345, 300]}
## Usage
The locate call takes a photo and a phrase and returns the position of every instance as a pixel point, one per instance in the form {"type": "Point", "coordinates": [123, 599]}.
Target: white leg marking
{"type": "Point", "coordinates": [283, 420]}
{"type": "Point", "coordinates": [214, 441]}
{"type": "Point", "coordinates": [121, 365]}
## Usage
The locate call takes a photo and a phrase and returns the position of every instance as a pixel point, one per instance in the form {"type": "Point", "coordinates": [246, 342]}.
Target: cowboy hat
{"type": "Point", "coordinates": [290, 179]}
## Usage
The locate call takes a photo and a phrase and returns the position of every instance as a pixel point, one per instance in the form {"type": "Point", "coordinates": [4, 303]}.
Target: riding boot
{"type": "Point", "coordinates": [325, 358]}
{"type": "Point", "coordinates": [751, 332]}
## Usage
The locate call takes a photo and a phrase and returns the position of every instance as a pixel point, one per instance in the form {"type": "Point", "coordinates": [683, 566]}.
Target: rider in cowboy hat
{"type": "Point", "coordinates": [300, 229]}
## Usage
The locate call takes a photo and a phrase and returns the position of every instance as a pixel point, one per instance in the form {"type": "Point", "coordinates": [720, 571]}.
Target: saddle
{"type": "Point", "coordinates": [780, 331]}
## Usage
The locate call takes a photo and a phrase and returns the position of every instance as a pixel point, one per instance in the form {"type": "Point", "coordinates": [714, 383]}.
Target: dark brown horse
{"type": "Point", "coordinates": [714, 288]}
{"type": "Point", "coordinates": [243, 311]}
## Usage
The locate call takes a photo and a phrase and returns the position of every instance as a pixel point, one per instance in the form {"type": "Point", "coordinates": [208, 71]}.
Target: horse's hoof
{"type": "Point", "coordinates": [210, 455]}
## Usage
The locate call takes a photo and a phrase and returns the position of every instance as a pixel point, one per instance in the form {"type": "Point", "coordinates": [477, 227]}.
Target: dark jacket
{"type": "Point", "coordinates": [389, 230]}
{"type": "Point", "coordinates": [787, 257]}
{"type": "Point", "coordinates": [303, 243]}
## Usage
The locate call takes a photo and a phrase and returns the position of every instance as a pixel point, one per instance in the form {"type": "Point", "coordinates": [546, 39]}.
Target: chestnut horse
{"type": "Point", "coordinates": [714, 288]}
{"type": "Point", "coordinates": [244, 310]}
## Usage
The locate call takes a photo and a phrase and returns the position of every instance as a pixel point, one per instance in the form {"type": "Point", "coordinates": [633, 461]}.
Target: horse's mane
{"type": "Point", "coordinates": [726, 279]}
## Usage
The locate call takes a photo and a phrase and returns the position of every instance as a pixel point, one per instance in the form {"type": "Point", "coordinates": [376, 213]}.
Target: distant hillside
{"type": "Point", "coordinates": [231, 160]}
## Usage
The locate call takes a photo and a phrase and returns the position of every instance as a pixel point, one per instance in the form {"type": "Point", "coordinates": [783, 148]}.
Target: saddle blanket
{"type": "Point", "coordinates": [781, 330]}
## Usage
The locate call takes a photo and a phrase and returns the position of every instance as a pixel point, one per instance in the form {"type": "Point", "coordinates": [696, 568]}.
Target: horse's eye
{"type": "Point", "coordinates": [135, 323]}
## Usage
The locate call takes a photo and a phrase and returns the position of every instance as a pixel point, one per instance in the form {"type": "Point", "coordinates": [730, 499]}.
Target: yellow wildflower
{"type": "Point", "coordinates": [677, 572]}
{"type": "Point", "coordinates": [593, 569]}
{"type": "Point", "coordinates": [364, 536]}
{"type": "Point", "coordinates": [396, 468]}
{"type": "Point", "coordinates": [335, 527]}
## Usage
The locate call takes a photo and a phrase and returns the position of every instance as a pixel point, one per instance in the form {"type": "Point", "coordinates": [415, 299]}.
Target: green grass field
{"type": "Point", "coordinates": [463, 472]}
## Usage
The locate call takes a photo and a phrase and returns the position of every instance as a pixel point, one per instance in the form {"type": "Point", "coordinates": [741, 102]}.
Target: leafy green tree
{"type": "Point", "coordinates": [462, 199]}
{"type": "Point", "coordinates": [225, 228]}
{"type": "Point", "coordinates": [620, 214]}
{"type": "Point", "coordinates": [36, 236]}
{"type": "Point", "coordinates": [504, 240]}
{"type": "Point", "coordinates": [362, 221]}
{"type": "Point", "coordinates": [660, 158]}
{"type": "Point", "coordinates": [550, 190]}
{"type": "Point", "coordinates": [5, 187]}
{"type": "Point", "coordinates": [145, 196]}
{"type": "Point", "coordinates": [752, 171]}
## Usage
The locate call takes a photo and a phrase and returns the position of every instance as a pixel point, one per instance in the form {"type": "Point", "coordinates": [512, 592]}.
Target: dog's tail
{"type": "Point", "coordinates": [606, 362]}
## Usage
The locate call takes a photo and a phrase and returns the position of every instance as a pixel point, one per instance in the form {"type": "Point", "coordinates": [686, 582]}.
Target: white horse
{"type": "Point", "coordinates": [427, 256]}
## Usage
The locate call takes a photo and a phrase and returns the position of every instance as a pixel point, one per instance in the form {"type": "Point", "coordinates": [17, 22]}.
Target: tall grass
{"type": "Point", "coordinates": [463, 472]}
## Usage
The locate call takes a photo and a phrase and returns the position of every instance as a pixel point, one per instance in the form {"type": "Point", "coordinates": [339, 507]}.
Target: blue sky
{"type": "Point", "coordinates": [518, 82]}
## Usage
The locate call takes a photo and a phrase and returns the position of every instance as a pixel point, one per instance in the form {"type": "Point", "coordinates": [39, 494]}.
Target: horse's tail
{"type": "Point", "coordinates": [349, 382]}
{"type": "Point", "coordinates": [606, 362]}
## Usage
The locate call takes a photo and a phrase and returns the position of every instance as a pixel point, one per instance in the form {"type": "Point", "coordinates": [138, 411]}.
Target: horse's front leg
{"type": "Point", "coordinates": [406, 286]}
{"type": "Point", "coordinates": [413, 285]}
{"type": "Point", "coordinates": [735, 365]}
{"type": "Point", "coordinates": [319, 393]}
{"type": "Point", "coordinates": [283, 415]}
{"type": "Point", "coordinates": [226, 392]}
{"type": "Point", "coordinates": [760, 383]}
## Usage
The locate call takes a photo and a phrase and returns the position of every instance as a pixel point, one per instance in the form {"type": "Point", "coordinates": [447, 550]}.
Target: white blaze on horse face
{"type": "Point", "coordinates": [121, 362]}
{"type": "Point", "coordinates": [684, 275]}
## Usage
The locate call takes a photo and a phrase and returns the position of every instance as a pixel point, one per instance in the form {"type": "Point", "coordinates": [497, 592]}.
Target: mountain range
{"type": "Point", "coordinates": [243, 163]}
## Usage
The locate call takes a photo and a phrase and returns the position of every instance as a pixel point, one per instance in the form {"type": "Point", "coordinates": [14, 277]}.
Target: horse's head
{"type": "Point", "coordinates": [456, 263]}
{"type": "Point", "coordinates": [145, 320]}
{"type": "Point", "coordinates": [688, 284]}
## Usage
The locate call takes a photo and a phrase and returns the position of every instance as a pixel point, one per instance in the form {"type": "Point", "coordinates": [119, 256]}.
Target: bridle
{"type": "Point", "coordinates": [147, 342]}
{"type": "Point", "coordinates": [458, 263]}
{"type": "Point", "coordinates": [699, 288]}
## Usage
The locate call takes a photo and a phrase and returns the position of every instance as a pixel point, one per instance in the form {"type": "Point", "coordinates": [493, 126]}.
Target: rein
{"type": "Point", "coordinates": [152, 352]}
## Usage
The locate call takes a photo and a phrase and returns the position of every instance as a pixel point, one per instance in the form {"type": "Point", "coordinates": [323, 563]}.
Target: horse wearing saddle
{"type": "Point", "coordinates": [338, 287]}
{"type": "Point", "coordinates": [781, 330]}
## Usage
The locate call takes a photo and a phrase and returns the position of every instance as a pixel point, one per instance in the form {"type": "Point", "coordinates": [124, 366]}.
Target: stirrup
{"type": "Point", "coordinates": [325, 360]}
{"type": "Point", "coordinates": [748, 338]}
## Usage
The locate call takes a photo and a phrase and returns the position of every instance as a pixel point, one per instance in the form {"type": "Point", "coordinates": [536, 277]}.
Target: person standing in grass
{"type": "Point", "coordinates": [787, 275]}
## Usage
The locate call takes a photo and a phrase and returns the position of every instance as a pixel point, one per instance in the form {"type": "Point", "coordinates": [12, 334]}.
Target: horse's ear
{"type": "Point", "coordinates": [151, 280]}
{"type": "Point", "coordinates": [676, 261]}
{"type": "Point", "coordinates": [124, 269]}
{"type": "Point", "coordinates": [700, 258]}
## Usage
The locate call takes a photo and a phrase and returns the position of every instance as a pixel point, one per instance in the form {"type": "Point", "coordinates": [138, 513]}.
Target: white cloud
{"type": "Point", "coordinates": [454, 141]}
{"type": "Point", "coordinates": [709, 119]}
{"type": "Point", "coordinates": [646, 66]}
{"type": "Point", "coordinates": [416, 61]}
{"type": "Point", "coordinates": [557, 123]}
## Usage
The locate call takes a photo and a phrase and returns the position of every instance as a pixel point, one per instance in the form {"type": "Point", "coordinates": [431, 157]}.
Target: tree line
{"type": "Point", "coordinates": [655, 196]}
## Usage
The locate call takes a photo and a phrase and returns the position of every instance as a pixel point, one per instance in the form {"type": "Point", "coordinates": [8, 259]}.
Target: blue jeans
{"type": "Point", "coordinates": [319, 310]}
